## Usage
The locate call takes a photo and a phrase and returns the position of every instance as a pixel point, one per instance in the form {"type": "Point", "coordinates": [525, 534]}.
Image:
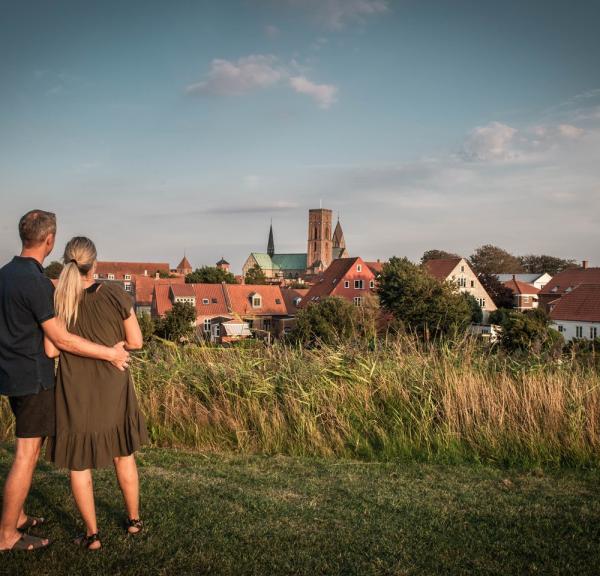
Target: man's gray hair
{"type": "Point", "coordinates": [36, 226]}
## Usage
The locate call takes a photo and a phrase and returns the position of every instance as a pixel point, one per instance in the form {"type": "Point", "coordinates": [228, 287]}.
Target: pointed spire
{"type": "Point", "coordinates": [271, 244]}
{"type": "Point", "coordinates": [338, 236]}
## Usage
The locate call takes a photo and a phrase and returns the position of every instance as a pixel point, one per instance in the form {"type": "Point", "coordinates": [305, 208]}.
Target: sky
{"type": "Point", "coordinates": [158, 128]}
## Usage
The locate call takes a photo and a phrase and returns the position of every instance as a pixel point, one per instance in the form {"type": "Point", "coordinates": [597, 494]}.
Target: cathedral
{"type": "Point", "coordinates": [323, 247]}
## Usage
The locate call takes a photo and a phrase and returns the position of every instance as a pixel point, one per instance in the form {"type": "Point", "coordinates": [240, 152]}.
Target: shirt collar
{"type": "Point", "coordinates": [29, 259]}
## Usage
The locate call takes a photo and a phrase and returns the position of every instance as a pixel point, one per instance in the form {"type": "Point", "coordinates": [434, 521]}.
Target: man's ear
{"type": "Point", "coordinates": [50, 239]}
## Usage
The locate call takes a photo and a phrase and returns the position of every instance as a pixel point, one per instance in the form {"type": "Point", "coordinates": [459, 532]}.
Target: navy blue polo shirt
{"type": "Point", "coordinates": [26, 301]}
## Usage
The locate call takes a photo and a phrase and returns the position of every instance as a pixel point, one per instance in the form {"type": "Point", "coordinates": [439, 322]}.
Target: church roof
{"type": "Point", "coordinates": [184, 264]}
{"type": "Point", "coordinates": [222, 261]}
{"type": "Point", "coordinates": [338, 236]}
{"type": "Point", "coordinates": [280, 261]}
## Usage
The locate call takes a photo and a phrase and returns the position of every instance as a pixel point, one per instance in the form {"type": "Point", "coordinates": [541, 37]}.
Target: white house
{"type": "Point", "coordinates": [577, 313]}
{"type": "Point", "coordinates": [537, 280]}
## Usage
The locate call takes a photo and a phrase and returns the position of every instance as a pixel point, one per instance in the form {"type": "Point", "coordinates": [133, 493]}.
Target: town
{"type": "Point", "coordinates": [264, 301]}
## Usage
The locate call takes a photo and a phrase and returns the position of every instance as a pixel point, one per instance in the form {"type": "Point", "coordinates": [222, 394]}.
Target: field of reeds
{"type": "Point", "coordinates": [454, 402]}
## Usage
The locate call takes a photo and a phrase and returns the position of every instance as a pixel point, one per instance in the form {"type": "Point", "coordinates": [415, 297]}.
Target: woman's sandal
{"type": "Point", "coordinates": [86, 541]}
{"type": "Point", "coordinates": [28, 543]}
{"type": "Point", "coordinates": [134, 523]}
{"type": "Point", "coordinates": [31, 522]}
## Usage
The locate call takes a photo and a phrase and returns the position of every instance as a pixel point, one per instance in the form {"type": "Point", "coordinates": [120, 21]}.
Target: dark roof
{"type": "Point", "coordinates": [582, 304]}
{"type": "Point", "coordinates": [570, 279]}
{"type": "Point", "coordinates": [222, 261]}
{"type": "Point", "coordinates": [441, 268]}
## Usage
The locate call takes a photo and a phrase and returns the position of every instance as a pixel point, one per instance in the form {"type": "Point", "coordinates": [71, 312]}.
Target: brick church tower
{"type": "Point", "coordinates": [319, 254]}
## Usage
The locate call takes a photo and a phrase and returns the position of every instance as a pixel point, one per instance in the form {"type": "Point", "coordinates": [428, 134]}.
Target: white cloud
{"type": "Point", "coordinates": [570, 131]}
{"type": "Point", "coordinates": [257, 72]}
{"type": "Point", "coordinates": [324, 94]}
{"type": "Point", "coordinates": [494, 141]}
{"type": "Point", "coordinates": [231, 78]}
{"type": "Point", "coordinates": [337, 14]}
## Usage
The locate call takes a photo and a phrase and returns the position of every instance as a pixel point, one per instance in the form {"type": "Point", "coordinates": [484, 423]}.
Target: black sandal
{"type": "Point", "coordinates": [134, 523]}
{"type": "Point", "coordinates": [28, 543]}
{"type": "Point", "coordinates": [31, 522]}
{"type": "Point", "coordinates": [86, 541]}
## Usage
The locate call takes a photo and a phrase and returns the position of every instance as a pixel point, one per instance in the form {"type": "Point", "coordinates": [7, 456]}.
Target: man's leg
{"type": "Point", "coordinates": [16, 489]}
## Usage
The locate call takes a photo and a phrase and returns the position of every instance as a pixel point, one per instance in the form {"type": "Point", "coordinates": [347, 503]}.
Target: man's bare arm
{"type": "Point", "coordinates": [64, 340]}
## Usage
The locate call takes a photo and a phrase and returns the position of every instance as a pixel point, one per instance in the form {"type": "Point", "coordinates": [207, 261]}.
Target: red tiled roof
{"type": "Point", "coordinates": [119, 269]}
{"type": "Point", "coordinates": [518, 287]}
{"type": "Point", "coordinates": [376, 267]}
{"type": "Point", "coordinates": [273, 303]}
{"type": "Point", "coordinates": [144, 286]}
{"type": "Point", "coordinates": [214, 293]}
{"type": "Point", "coordinates": [183, 290]}
{"type": "Point", "coordinates": [571, 278]}
{"type": "Point", "coordinates": [582, 304]}
{"type": "Point", "coordinates": [289, 297]}
{"type": "Point", "coordinates": [441, 268]}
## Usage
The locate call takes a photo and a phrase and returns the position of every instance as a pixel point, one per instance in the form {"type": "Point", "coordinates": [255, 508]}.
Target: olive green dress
{"type": "Point", "coordinates": [97, 414]}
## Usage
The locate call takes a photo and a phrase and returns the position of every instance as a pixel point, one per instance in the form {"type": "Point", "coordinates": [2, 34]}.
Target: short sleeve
{"type": "Point", "coordinates": [122, 301]}
{"type": "Point", "coordinates": [40, 298]}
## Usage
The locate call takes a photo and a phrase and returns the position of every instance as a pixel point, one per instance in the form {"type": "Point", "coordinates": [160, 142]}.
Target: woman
{"type": "Point", "coordinates": [98, 422]}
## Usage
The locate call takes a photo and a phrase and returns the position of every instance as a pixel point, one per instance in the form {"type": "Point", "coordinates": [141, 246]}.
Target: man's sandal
{"type": "Point", "coordinates": [86, 541]}
{"type": "Point", "coordinates": [134, 523]}
{"type": "Point", "coordinates": [31, 522]}
{"type": "Point", "coordinates": [28, 543]}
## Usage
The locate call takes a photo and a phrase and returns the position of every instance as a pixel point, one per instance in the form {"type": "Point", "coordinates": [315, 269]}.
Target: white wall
{"type": "Point", "coordinates": [569, 328]}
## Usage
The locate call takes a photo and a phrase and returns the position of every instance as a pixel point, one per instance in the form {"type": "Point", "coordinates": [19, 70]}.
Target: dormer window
{"type": "Point", "coordinates": [256, 300]}
{"type": "Point", "coordinates": [214, 300]}
{"type": "Point", "coordinates": [204, 300]}
{"type": "Point", "coordinates": [127, 276]}
{"type": "Point", "coordinates": [111, 276]}
{"type": "Point", "coordinates": [95, 276]}
{"type": "Point", "coordinates": [277, 301]}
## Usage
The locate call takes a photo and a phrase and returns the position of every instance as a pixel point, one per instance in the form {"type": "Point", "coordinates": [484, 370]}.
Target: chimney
{"type": "Point", "coordinates": [584, 264]}
{"type": "Point", "coordinates": [514, 276]}
{"type": "Point", "coordinates": [157, 276]}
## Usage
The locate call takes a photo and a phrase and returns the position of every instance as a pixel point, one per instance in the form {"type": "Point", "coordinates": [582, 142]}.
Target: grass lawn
{"type": "Point", "coordinates": [277, 515]}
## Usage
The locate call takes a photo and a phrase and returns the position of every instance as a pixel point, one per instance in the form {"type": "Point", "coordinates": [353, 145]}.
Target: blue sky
{"type": "Point", "coordinates": [155, 127]}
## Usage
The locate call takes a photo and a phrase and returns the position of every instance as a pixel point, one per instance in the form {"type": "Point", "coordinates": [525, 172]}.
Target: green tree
{"type": "Point", "coordinates": [255, 275]}
{"type": "Point", "coordinates": [489, 259]}
{"type": "Point", "coordinates": [476, 311]}
{"type": "Point", "coordinates": [210, 275]}
{"type": "Point", "coordinates": [535, 264]}
{"type": "Point", "coordinates": [419, 301]}
{"type": "Point", "coordinates": [178, 323]}
{"type": "Point", "coordinates": [326, 321]}
{"type": "Point", "coordinates": [435, 254]}
{"type": "Point", "coordinates": [53, 270]}
{"type": "Point", "coordinates": [499, 316]}
{"type": "Point", "coordinates": [530, 332]}
{"type": "Point", "coordinates": [147, 326]}
{"type": "Point", "coordinates": [162, 274]}
{"type": "Point", "coordinates": [498, 292]}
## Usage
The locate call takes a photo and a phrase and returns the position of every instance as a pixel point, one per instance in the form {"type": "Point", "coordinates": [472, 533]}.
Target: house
{"type": "Point", "coordinates": [458, 272]}
{"type": "Point", "coordinates": [524, 295]}
{"type": "Point", "coordinates": [143, 288]}
{"type": "Point", "coordinates": [124, 271]}
{"type": "Point", "coordinates": [324, 245]}
{"type": "Point", "coordinates": [349, 278]}
{"type": "Point", "coordinates": [576, 314]}
{"type": "Point", "coordinates": [566, 281]}
{"type": "Point", "coordinates": [262, 308]}
{"type": "Point", "coordinates": [537, 280]}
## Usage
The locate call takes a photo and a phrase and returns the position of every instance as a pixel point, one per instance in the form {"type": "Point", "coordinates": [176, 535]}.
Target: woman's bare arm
{"type": "Point", "coordinates": [133, 333]}
{"type": "Point", "coordinates": [51, 350]}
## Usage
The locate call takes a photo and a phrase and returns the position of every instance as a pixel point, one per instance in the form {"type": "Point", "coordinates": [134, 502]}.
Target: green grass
{"type": "Point", "coordinates": [269, 515]}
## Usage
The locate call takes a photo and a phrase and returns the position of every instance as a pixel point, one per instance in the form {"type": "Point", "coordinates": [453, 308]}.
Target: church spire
{"type": "Point", "coordinates": [271, 244]}
{"type": "Point", "coordinates": [338, 236]}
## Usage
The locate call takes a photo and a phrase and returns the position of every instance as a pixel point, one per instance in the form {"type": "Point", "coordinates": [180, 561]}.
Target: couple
{"type": "Point", "coordinates": [91, 417]}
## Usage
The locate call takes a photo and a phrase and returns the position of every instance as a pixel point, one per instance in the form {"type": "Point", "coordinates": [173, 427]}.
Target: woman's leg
{"type": "Point", "coordinates": [127, 475]}
{"type": "Point", "coordinates": [83, 492]}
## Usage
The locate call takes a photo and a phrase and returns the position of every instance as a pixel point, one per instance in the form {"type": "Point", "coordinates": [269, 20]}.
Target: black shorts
{"type": "Point", "coordinates": [34, 414]}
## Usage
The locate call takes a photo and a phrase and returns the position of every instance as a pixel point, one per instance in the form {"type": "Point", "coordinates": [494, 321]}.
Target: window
{"type": "Point", "coordinates": [359, 268]}
{"type": "Point", "coordinates": [95, 276]}
{"type": "Point", "coordinates": [525, 299]}
{"type": "Point", "coordinates": [346, 283]}
{"type": "Point", "coordinates": [127, 276]}
{"type": "Point", "coordinates": [207, 324]}
{"type": "Point", "coordinates": [358, 300]}
{"type": "Point", "coordinates": [472, 283]}
{"type": "Point", "coordinates": [267, 324]}
{"type": "Point", "coordinates": [277, 301]}
{"type": "Point", "coordinates": [250, 323]}
{"type": "Point", "coordinates": [128, 287]}
{"type": "Point", "coordinates": [462, 268]}
{"type": "Point", "coordinates": [256, 301]}
{"type": "Point", "coordinates": [217, 331]}
{"type": "Point", "coordinates": [578, 331]}
{"type": "Point", "coordinates": [204, 300]}
{"type": "Point", "coordinates": [111, 276]}
{"type": "Point", "coordinates": [462, 282]}
{"type": "Point", "coordinates": [214, 300]}
{"type": "Point", "coordinates": [372, 284]}
{"type": "Point", "coordinates": [358, 284]}
{"type": "Point", "coordinates": [593, 332]}
{"type": "Point", "coordinates": [561, 328]}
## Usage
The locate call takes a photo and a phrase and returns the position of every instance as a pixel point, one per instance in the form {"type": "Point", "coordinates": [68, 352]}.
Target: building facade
{"type": "Point", "coordinates": [577, 313]}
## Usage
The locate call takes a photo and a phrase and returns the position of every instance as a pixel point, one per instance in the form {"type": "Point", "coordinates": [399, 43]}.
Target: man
{"type": "Point", "coordinates": [26, 373]}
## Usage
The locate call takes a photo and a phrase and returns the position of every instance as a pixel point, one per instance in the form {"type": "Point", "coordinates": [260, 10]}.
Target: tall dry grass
{"type": "Point", "coordinates": [402, 400]}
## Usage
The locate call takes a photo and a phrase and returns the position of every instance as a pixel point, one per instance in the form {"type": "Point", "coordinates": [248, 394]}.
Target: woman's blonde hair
{"type": "Point", "coordinates": [79, 257]}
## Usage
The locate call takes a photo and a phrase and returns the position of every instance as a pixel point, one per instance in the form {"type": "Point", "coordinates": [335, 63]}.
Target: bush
{"type": "Point", "coordinates": [530, 332]}
{"type": "Point", "coordinates": [178, 323]}
{"type": "Point", "coordinates": [476, 311]}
